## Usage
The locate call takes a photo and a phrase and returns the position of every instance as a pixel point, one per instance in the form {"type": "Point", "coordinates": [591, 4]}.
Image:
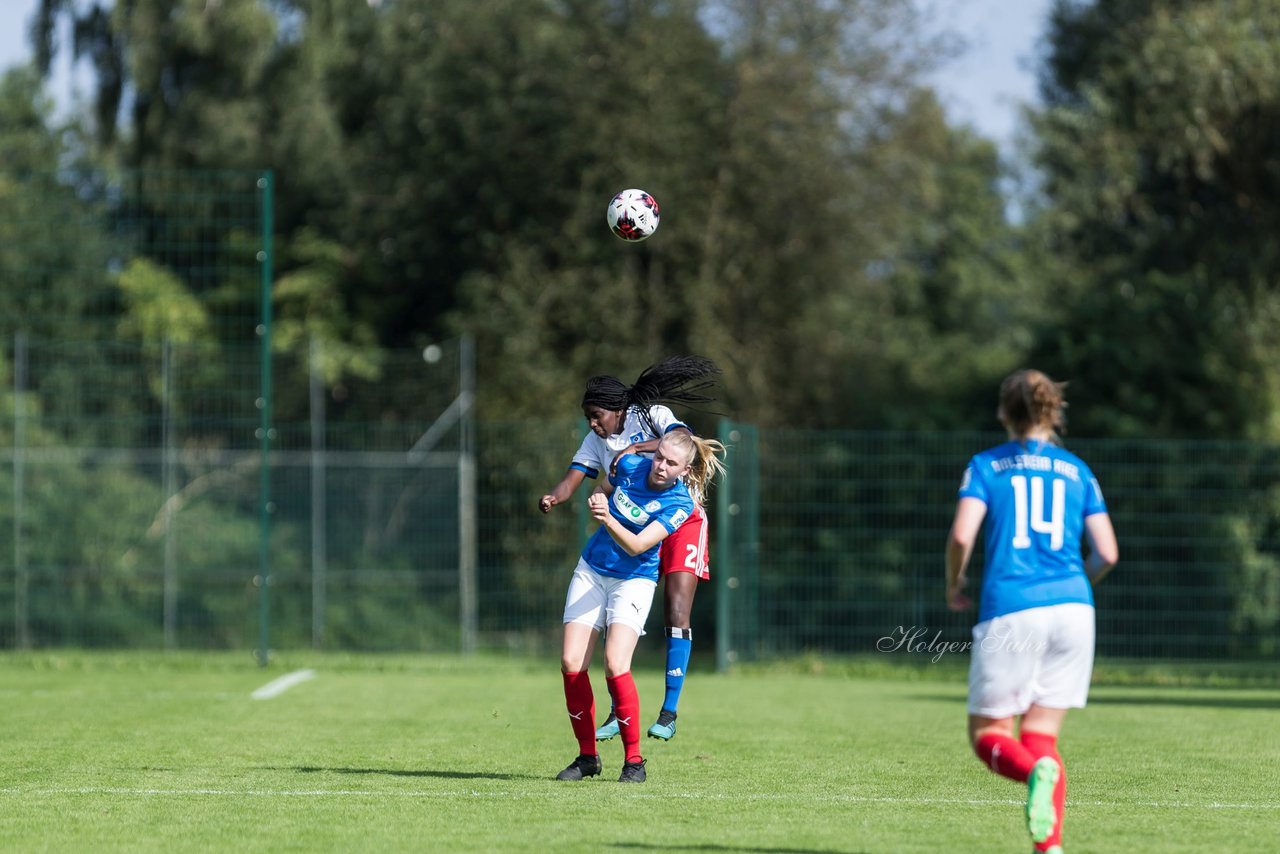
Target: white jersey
{"type": "Point", "coordinates": [595, 455]}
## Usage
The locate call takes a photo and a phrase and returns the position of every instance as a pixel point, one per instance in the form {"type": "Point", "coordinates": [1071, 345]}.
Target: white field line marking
{"type": "Point", "coordinates": [553, 791]}
{"type": "Point", "coordinates": [276, 687]}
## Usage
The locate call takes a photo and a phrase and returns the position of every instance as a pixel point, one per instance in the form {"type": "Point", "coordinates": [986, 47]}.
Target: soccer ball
{"type": "Point", "coordinates": [633, 215]}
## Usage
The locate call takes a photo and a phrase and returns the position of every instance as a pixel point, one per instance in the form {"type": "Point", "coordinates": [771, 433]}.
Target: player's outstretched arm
{"type": "Point", "coordinates": [561, 492]}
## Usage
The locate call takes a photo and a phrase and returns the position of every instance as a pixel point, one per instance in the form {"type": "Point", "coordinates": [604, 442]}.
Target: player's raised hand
{"type": "Point", "coordinates": [613, 466]}
{"type": "Point", "coordinates": [598, 504]}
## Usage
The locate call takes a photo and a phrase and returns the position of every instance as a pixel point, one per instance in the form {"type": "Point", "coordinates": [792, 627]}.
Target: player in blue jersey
{"type": "Point", "coordinates": [630, 420]}
{"type": "Point", "coordinates": [613, 584]}
{"type": "Point", "coordinates": [1032, 653]}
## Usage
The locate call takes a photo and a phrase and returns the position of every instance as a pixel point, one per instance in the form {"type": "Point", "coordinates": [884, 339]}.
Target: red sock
{"type": "Point", "coordinates": [1042, 744]}
{"type": "Point", "coordinates": [626, 707]}
{"type": "Point", "coordinates": [1004, 756]}
{"type": "Point", "coordinates": [581, 703]}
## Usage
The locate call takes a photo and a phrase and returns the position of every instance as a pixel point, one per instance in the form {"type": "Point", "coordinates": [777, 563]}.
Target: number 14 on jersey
{"type": "Point", "coordinates": [1029, 511]}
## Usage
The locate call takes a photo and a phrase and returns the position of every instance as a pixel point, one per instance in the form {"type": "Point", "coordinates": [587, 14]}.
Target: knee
{"type": "Point", "coordinates": [573, 661]}
{"type": "Point", "coordinates": [678, 608]}
{"type": "Point", "coordinates": [616, 665]}
{"type": "Point", "coordinates": [977, 732]}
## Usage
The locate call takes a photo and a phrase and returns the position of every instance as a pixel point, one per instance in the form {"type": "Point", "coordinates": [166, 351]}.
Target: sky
{"type": "Point", "coordinates": [983, 88]}
{"type": "Point", "coordinates": [996, 74]}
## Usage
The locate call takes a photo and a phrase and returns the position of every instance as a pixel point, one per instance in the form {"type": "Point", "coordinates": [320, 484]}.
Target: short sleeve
{"type": "Point", "coordinates": [664, 420]}
{"type": "Point", "coordinates": [587, 459]}
{"type": "Point", "coordinates": [1094, 503]}
{"type": "Point", "coordinates": [972, 484]}
{"type": "Point", "coordinates": [676, 515]}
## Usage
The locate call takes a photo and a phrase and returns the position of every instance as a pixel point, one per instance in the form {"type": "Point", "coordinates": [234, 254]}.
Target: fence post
{"type": "Point", "coordinates": [22, 629]}
{"type": "Point", "coordinates": [726, 581]}
{"type": "Point", "coordinates": [265, 430]}
{"type": "Point", "coordinates": [167, 477]}
{"type": "Point", "coordinates": [468, 557]}
{"type": "Point", "coordinates": [319, 497]}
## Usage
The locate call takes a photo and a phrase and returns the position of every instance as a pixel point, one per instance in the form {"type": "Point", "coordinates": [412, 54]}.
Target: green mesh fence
{"type": "Point", "coordinates": [837, 545]}
{"type": "Point", "coordinates": [136, 524]}
{"type": "Point", "coordinates": [142, 503]}
{"type": "Point", "coordinates": [131, 329]}
{"type": "Point", "coordinates": [67, 238]}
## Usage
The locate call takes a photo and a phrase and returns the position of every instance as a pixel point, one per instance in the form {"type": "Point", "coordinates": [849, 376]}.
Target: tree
{"type": "Point", "coordinates": [1160, 148]}
{"type": "Point", "coordinates": [45, 288]}
{"type": "Point", "coordinates": [443, 168]}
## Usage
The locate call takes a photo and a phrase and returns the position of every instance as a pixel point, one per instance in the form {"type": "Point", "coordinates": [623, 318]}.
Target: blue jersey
{"type": "Point", "coordinates": [635, 505]}
{"type": "Point", "coordinates": [1037, 498]}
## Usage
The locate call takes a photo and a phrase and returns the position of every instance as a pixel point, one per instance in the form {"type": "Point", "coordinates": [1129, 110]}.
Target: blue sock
{"type": "Point", "coordinates": [679, 643]}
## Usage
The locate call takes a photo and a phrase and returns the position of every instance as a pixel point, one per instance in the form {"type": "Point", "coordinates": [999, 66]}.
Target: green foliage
{"type": "Point", "coordinates": [311, 308]}
{"type": "Point", "coordinates": [157, 307]}
{"type": "Point", "coordinates": [443, 168]}
{"type": "Point", "coordinates": [1162, 186]}
{"type": "Point", "coordinates": [828, 237]}
{"type": "Point", "coordinates": [45, 289]}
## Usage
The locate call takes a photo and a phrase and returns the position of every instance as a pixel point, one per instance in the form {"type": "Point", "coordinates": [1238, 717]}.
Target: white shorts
{"type": "Point", "coordinates": [601, 600]}
{"type": "Point", "coordinates": [1041, 656]}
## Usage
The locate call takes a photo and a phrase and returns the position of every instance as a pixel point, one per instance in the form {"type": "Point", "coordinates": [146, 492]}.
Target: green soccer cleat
{"type": "Point", "coordinates": [664, 727]}
{"type": "Point", "coordinates": [608, 729]}
{"type": "Point", "coordinates": [1042, 816]}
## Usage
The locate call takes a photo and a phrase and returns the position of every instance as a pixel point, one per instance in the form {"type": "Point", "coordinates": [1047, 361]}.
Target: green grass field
{"type": "Point", "coordinates": [116, 752]}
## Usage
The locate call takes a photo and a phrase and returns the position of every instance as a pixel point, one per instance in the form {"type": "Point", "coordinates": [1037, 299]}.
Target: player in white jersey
{"type": "Point", "coordinates": [1032, 652]}
{"type": "Point", "coordinates": [631, 420]}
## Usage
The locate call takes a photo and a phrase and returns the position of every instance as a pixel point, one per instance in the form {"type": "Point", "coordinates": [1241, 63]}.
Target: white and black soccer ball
{"type": "Point", "coordinates": [633, 215]}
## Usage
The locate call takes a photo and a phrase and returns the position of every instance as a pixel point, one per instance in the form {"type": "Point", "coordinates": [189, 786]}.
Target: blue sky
{"type": "Point", "coordinates": [986, 85]}
{"type": "Point", "coordinates": [982, 88]}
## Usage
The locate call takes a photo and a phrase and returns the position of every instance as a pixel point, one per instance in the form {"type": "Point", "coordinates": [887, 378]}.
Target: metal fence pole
{"type": "Point", "coordinates": [168, 477]}
{"type": "Point", "coordinates": [265, 430]}
{"type": "Point", "coordinates": [22, 629]}
{"type": "Point", "coordinates": [319, 505]}
{"type": "Point", "coordinates": [468, 558]}
{"type": "Point", "coordinates": [726, 581]}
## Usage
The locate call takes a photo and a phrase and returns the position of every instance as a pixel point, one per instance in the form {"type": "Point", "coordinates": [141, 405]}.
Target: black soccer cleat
{"type": "Point", "coordinates": [632, 772]}
{"type": "Point", "coordinates": [582, 767]}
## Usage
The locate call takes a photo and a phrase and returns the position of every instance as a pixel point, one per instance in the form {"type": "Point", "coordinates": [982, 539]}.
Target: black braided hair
{"type": "Point", "coordinates": [676, 379]}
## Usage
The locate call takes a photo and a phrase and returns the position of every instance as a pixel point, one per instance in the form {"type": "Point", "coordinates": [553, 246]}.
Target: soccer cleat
{"type": "Point", "coordinates": [582, 767]}
{"type": "Point", "coordinates": [1042, 816]}
{"type": "Point", "coordinates": [632, 772]}
{"type": "Point", "coordinates": [664, 727]}
{"type": "Point", "coordinates": [608, 729]}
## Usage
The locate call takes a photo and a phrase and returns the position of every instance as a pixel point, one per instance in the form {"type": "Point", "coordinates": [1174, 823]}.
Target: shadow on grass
{"type": "Point", "coordinates": [710, 847]}
{"type": "Point", "coordinates": [402, 772]}
{"type": "Point", "coordinates": [1271, 702]}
